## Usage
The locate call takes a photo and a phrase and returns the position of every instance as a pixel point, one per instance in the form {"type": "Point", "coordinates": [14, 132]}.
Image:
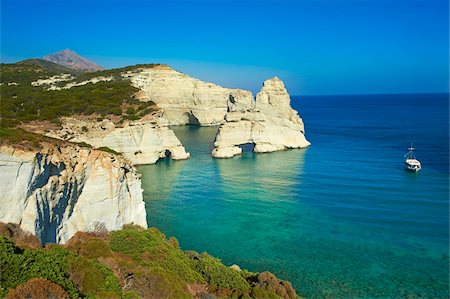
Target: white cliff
{"type": "Point", "coordinates": [141, 142]}
{"type": "Point", "coordinates": [270, 124]}
{"type": "Point", "coordinates": [185, 100]}
{"type": "Point", "coordinates": [62, 189]}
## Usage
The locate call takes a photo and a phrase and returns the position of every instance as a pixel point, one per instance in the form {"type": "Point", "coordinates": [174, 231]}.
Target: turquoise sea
{"type": "Point", "coordinates": [340, 219]}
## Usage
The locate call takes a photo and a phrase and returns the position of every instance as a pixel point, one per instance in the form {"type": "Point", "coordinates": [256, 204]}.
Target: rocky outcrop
{"type": "Point", "coordinates": [185, 100]}
{"type": "Point", "coordinates": [62, 189]}
{"type": "Point", "coordinates": [141, 142]}
{"type": "Point", "coordinates": [269, 123]}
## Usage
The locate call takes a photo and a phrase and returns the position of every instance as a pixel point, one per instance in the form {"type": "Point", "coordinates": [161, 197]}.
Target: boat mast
{"type": "Point", "coordinates": [410, 154]}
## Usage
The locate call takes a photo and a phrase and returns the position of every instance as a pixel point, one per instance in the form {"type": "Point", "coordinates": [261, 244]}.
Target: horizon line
{"type": "Point", "coordinates": [370, 94]}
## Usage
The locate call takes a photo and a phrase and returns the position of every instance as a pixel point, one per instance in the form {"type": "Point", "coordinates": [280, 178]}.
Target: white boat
{"type": "Point", "coordinates": [411, 163]}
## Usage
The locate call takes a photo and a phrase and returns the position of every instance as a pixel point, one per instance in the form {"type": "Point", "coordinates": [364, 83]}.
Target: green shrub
{"type": "Point", "coordinates": [108, 150]}
{"type": "Point", "coordinates": [25, 102]}
{"type": "Point", "coordinates": [156, 282]}
{"type": "Point", "coordinates": [130, 110]}
{"type": "Point", "coordinates": [151, 249]}
{"type": "Point", "coordinates": [37, 288]}
{"type": "Point", "coordinates": [93, 278]}
{"type": "Point", "coordinates": [18, 266]}
{"type": "Point", "coordinates": [95, 248]}
{"type": "Point", "coordinates": [221, 278]}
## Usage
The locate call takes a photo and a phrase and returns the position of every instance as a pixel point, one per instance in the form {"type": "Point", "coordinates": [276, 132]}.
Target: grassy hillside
{"type": "Point", "coordinates": [49, 66]}
{"type": "Point", "coordinates": [129, 263]}
{"type": "Point", "coordinates": [23, 102]}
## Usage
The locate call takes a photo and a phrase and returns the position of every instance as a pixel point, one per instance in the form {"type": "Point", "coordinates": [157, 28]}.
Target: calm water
{"type": "Point", "coordinates": [339, 219]}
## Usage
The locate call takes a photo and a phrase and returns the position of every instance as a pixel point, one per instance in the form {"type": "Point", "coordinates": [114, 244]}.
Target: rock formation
{"type": "Point", "coordinates": [62, 189]}
{"type": "Point", "coordinates": [185, 100]}
{"type": "Point", "coordinates": [141, 142]}
{"type": "Point", "coordinates": [269, 123]}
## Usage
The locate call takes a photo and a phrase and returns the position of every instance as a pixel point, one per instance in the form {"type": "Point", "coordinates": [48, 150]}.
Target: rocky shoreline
{"type": "Point", "coordinates": [66, 173]}
{"type": "Point", "coordinates": [62, 188]}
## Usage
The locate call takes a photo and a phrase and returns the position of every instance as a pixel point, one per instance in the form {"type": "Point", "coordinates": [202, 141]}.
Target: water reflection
{"type": "Point", "coordinates": [269, 177]}
{"type": "Point", "coordinates": [158, 179]}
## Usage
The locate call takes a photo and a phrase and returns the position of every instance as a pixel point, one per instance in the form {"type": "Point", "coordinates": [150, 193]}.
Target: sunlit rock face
{"type": "Point", "coordinates": [59, 190]}
{"type": "Point", "coordinates": [141, 142]}
{"type": "Point", "coordinates": [270, 124]}
{"type": "Point", "coordinates": [185, 100]}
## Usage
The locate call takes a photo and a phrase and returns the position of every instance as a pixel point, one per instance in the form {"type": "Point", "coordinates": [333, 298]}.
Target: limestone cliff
{"type": "Point", "coordinates": [185, 100]}
{"type": "Point", "coordinates": [270, 124]}
{"type": "Point", "coordinates": [62, 189]}
{"type": "Point", "coordinates": [141, 142]}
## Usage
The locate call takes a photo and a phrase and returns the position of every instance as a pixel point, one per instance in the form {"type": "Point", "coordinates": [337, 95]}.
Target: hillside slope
{"type": "Point", "coordinates": [128, 263]}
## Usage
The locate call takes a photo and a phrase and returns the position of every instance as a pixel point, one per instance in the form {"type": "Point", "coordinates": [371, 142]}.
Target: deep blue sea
{"type": "Point", "coordinates": [340, 219]}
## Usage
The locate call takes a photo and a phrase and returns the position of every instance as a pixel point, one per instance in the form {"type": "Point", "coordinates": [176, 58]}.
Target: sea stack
{"type": "Point", "coordinates": [270, 124]}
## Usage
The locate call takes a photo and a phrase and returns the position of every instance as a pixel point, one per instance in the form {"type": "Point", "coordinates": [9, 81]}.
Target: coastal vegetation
{"type": "Point", "coordinates": [130, 263]}
{"type": "Point", "coordinates": [24, 102]}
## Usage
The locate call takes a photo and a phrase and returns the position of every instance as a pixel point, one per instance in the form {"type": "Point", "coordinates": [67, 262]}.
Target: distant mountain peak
{"type": "Point", "coordinates": [72, 60]}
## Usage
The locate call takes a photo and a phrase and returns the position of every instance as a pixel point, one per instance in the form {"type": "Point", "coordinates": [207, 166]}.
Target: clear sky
{"type": "Point", "coordinates": [316, 46]}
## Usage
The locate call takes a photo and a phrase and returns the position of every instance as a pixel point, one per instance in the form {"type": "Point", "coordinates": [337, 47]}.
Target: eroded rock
{"type": "Point", "coordinates": [270, 124]}
{"type": "Point", "coordinates": [59, 190]}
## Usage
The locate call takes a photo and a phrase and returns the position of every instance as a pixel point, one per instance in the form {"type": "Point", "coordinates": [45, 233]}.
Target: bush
{"type": "Point", "coordinates": [108, 150]}
{"type": "Point", "coordinates": [25, 102]}
{"type": "Point", "coordinates": [19, 265]}
{"type": "Point", "coordinates": [37, 288]}
{"type": "Point", "coordinates": [158, 283]}
{"type": "Point", "coordinates": [143, 260]}
{"type": "Point", "coordinates": [95, 248]}
{"type": "Point", "coordinates": [221, 278]}
{"type": "Point", "coordinates": [93, 278]}
{"type": "Point", "coordinates": [99, 228]}
{"type": "Point", "coordinates": [21, 238]}
{"type": "Point", "coordinates": [151, 249]}
{"type": "Point", "coordinates": [267, 283]}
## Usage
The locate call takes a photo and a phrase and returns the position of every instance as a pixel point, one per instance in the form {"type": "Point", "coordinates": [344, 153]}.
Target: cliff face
{"type": "Point", "coordinates": [270, 124]}
{"type": "Point", "coordinates": [185, 100]}
{"type": "Point", "coordinates": [59, 190]}
{"type": "Point", "coordinates": [141, 142]}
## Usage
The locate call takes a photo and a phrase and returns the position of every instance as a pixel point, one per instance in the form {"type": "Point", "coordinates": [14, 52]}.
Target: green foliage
{"type": "Point", "coordinates": [108, 150]}
{"type": "Point", "coordinates": [84, 144]}
{"type": "Point", "coordinates": [16, 136]}
{"type": "Point", "coordinates": [130, 110]}
{"type": "Point", "coordinates": [18, 266]}
{"type": "Point", "coordinates": [95, 248]}
{"type": "Point", "coordinates": [156, 282]}
{"type": "Point", "coordinates": [49, 66]}
{"type": "Point", "coordinates": [24, 102]}
{"type": "Point", "coordinates": [219, 276]}
{"type": "Point", "coordinates": [93, 278]}
{"type": "Point", "coordinates": [151, 249]}
{"type": "Point", "coordinates": [156, 267]}
{"type": "Point", "coordinates": [258, 292]}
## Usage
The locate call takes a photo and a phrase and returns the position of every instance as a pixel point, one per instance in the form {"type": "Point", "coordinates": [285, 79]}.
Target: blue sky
{"type": "Point", "coordinates": [316, 46]}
